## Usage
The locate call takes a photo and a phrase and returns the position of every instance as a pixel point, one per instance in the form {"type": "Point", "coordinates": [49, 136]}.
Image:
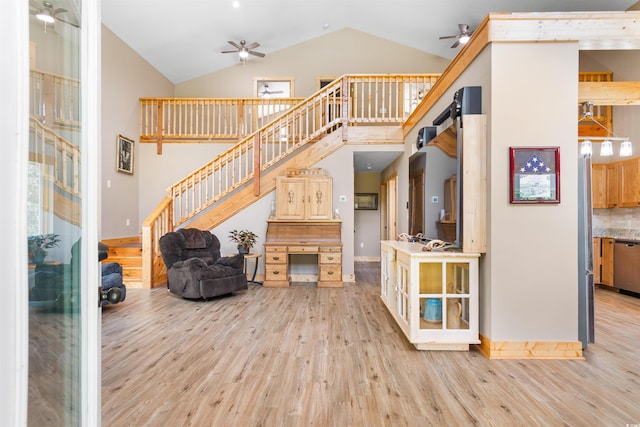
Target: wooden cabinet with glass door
{"type": "Point", "coordinates": [433, 296]}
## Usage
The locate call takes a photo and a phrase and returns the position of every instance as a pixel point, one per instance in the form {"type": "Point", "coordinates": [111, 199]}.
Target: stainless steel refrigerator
{"type": "Point", "coordinates": [586, 329]}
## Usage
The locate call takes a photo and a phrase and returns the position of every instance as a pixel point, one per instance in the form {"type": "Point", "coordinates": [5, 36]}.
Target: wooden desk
{"type": "Point", "coordinates": [322, 238]}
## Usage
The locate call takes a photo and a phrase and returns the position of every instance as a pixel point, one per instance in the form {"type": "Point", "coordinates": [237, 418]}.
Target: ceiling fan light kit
{"type": "Point", "coordinates": [243, 50]}
{"type": "Point", "coordinates": [462, 37]}
{"type": "Point", "coordinates": [49, 15]}
{"type": "Point", "coordinates": [45, 17]}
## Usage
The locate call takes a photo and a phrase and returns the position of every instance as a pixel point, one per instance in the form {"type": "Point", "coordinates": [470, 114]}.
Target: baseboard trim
{"type": "Point", "coordinates": [571, 350]}
{"type": "Point", "coordinates": [366, 259]}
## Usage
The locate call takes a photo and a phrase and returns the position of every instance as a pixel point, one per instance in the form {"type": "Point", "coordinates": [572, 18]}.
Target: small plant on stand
{"type": "Point", "coordinates": [38, 245]}
{"type": "Point", "coordinates": [244, 238]}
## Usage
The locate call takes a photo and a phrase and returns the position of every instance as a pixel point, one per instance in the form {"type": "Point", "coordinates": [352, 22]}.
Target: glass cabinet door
{"type": "Point", "coordinates": [444, 295]}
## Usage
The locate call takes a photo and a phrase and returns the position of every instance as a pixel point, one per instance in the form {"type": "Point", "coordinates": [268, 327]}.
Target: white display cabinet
{"type": "Point", "coordinates": [433, 296]}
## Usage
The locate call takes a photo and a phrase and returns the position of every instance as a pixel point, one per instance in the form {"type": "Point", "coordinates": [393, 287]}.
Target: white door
{"type": "Point", "coordinates": [52, 364]}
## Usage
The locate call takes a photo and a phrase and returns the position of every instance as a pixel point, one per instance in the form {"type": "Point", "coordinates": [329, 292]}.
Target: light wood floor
{"type": "Point", "coordinates": [305, 356]}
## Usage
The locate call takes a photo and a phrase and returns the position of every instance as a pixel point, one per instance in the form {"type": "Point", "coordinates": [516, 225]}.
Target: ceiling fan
{"type": "Point", "coordinates": [266, 93]}
{"type": "Point", "coordinates": [243, 50]}
{"type": "Point", "coordinates": [463, 36]}
{"type": "Point", "coordinates": [49, 15]}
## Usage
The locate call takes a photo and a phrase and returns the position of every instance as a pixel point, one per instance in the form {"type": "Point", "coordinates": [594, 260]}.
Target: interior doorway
{"type": "Point", "coordinates": [391, 208]}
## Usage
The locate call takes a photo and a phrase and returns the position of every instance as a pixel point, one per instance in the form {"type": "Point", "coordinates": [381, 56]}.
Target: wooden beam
{"type": "Point", "coordinates": [591, 30]}
{"type": "Point", "coordinates": [609, 93]}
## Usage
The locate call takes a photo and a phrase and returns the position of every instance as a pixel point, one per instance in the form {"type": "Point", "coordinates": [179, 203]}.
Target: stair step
{"type": "Point", "coordinates": [128, 253]}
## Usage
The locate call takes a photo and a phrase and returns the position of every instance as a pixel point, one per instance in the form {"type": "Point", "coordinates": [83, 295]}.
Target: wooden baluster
{"type": "Point", "coordinates": [159, 131]}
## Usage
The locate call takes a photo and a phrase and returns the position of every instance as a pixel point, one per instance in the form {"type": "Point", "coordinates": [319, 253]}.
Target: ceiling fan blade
{"type": "Point", "coordinates": [234, 44]}
{"type": "Point", "coordinates": [260, 54]}
{"type": "Point", "coordinates": [456, 44]}
{"type": "Point", "coordinates": [73, 24]}
{"type": "Point", "coordinates": [59, 10]}
{"type": "Point", "coordinates": [252, 46]}
{"type": "Point", "coordinates": [448, 37]}
{"type": "Point", "coordinates": [229, 51]}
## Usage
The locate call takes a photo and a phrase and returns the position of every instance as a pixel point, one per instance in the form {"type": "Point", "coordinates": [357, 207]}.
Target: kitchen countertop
{"type": "Point", "coordinates": [617, 233]}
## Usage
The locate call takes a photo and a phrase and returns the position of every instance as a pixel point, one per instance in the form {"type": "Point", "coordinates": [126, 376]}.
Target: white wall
{"type": "Point", "coordinates": [533, 266]}
{"type": "Point", "coordinates": [367, 222]}
{"type": "Point", "coordinates": [125, 78]}
{"type": "Point", "coordinates": [345, 51]}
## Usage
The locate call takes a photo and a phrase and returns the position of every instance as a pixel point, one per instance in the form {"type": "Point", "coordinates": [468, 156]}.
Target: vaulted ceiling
{"type": "Point", "coordinates": [183, 39]}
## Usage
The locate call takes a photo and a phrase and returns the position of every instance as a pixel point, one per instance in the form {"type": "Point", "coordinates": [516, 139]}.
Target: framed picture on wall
{"type": "Point", "coordinates": [534, 174]}
{"type": "Point", "coordinates": [366, 201]}
{"type": "Point", "coordinates": [124, 155]}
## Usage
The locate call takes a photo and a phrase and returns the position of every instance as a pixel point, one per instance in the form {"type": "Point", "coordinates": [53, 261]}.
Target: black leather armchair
{"type": "Point", "coordinates": [195, 268]}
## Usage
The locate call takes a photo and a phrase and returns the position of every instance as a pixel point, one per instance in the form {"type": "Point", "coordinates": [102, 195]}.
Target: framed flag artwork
{"type": "Point", "coordinates": [534, 174]}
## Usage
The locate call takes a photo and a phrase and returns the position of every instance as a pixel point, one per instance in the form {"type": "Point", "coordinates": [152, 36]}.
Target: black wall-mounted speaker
{"type": "Point", "coordinates": [425, 135]}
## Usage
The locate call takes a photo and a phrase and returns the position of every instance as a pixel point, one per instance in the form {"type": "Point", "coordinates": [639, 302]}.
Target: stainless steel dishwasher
{"type": "Point", "coordinates": [626, 265]}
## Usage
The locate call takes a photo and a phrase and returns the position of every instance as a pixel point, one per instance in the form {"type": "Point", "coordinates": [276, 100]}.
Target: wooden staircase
{"type": "Point", "coordinates": [128, 252]}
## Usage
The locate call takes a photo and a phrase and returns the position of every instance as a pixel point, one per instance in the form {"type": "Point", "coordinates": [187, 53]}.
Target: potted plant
{"type": "Point", "coordinates": [244, 238]}
{"type": "Point", "coordinates": [38, 245]}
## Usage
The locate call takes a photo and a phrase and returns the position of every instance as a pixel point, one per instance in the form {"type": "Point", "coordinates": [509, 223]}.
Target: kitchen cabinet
{"type": "Point", "coordinates": [612, 185]}
{"type": "Point", "coordinates": [629, 175]}
{"type": "Point", "coordinates": [597, 260]}
{"type": "Point", "coordinates": [616, 184]}
{"type": "Point", "coordinates": [599, 185]}
{"type": "Point", "coordinates": [304, 198]}
{"type": "Point", "coordinates": [607, 261]}
{"type": "Point", "coordinates": [432, 296]}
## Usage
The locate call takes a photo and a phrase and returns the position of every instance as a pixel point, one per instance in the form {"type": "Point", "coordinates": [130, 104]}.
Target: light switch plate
{"type": "Point", "coordinates": [342, 199]}
{"type": "Point", "coordinates": [434, 199]}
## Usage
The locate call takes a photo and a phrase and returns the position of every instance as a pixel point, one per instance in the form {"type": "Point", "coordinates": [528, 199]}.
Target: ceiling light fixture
{"type": "Point", "coordinates": [45, 16]}
{"type": "Point", "coordinates": [606, 149]}
{"type": "Point", "coordinates": [464, 39]}
{"type": "Point", "coordinates": [235, 4]}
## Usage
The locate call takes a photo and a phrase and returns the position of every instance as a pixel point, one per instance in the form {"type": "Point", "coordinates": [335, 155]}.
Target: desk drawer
{"type": "Point", "coordinates": [330, 273]}
{"type": "Point", "coordinates": [303, 249]}
{"type": "Point", "coordinates": [330, 258]}
{"type": "Point", "coordinates": [276, 272]}
{"type": "Point", "coordinates": [276, 257]}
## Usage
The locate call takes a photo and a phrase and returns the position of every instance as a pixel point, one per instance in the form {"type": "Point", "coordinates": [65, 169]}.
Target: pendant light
{"type": "Point", "coordinates": [606, 149]}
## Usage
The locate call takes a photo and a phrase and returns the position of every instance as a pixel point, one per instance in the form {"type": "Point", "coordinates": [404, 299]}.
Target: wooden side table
{"type": "Point", "coordinates": [256, 257]}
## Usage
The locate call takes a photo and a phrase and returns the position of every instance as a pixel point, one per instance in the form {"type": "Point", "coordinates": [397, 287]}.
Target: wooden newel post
{"type": "Point", "coordinates": [256, 164]}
